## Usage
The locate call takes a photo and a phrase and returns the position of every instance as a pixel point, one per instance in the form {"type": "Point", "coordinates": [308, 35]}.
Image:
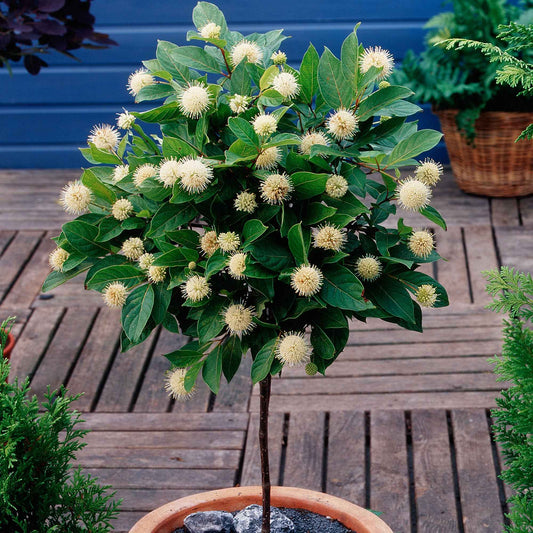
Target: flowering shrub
{"type": "Point", "coordinates": [255, 219]}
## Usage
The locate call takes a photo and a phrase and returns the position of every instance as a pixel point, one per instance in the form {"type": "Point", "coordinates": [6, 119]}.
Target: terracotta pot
{"type": "Point", "coordinates": [9, 346]}
{"type": "Point", "coordinates": [167, 518]}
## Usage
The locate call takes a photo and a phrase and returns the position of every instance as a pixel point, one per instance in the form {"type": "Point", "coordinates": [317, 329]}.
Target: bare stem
{"type": "Point", "coordinates": [264, 391]}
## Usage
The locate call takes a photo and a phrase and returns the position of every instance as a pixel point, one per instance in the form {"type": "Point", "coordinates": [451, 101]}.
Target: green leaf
{"type": "Point", "coordinates": [231, 357]}
{"type": "Point", "coordinates": [432, 214]}
{"type": "Point", "coordinates": [252, 230]}
{"type": "Point", "coordinates": [89, 179]}
{"type": "Point", "coordinates": [283, 139]}
{"type": "Point", "coordinates": [348, 205]}
{"type": "Point", "coordinates": [154, 92]}
{"type": "Point", "coordinates": [240, 80]}
{"type": "Point", "coordinates": [206, 12]}
{"type": "Point", "coordinates": [272, 254]}
{"type": "Point", "coordinates": [372, 104]}
{"type": "Point", "coordinates": [215, 263]}
{"type": "Point", "coordinates": [309, 184]}
{"type": "Point", "coordinates": [244, 131]}
{"type": "Point", "coordinates": [108, 229]}
{"type": "Point", "coordinates": [317, 212]}
{"type": "Point", "coordinates": [160, 115]}
{"type": "Point", "coordinates": [162, 297]}
{"type": "Point", "coordinates": [268, 77]}
{"type": "Point", "coordinates": [153, 189]}
{"type": "Point", "coordinates": [102, 156]}
{"type": "Point", "coordinates": [128, 274]}
{"type": "Point", "coordinates": [211, 321]}
{"type": "Point", "coordinates": [270, 98]}
{"type": "Point", "coordinates": [309, 75]}
{"type": "Point", "coordinates": [322, 345]}
{"type": "Point", "coordinates": [175, 258]}
{"type": "Point", "coordinates": [196, 58]}
{"type": "Point", "coordinates": [386, 240]}
{"type": "Point", "coordinates": [164, 54]}
{"type": "Point", "coordinates": [183, 358]}
{"type": "Point", "coordinates": [186, 237]}
{"type": "Point", "coordinates": [342, 289]}
{"type": "Point", "coordinates": [297, 244]}
{"type": "Point", "coordinates": [240, 151]}
{"type": "Point", "coordinates": [335, 90]}
{"type": "Point", "coordinates": [417, 143]}
{"type": "Point", "coordinates": [178, 148]}
{"type": "Point", "coordinates": [419, 278]}
{"type": "Point", "coordinates": [170, 217]}
{"type": "Point", "coordinates": [212, 368]}
{"type": "Point", "coordinates": [192, 374]}
{"type": "Point", "coordinates": [350, 58]}
{"type": "Point", "coordinates": [54, 279]}
{"type": "Point", "coordinates": [263, 361]}
{"type": "Point", "coordinates": [137, 311]}
{"type": "Point", "coordinates": [83, 236]}
{"type": "Point", "coordinates": [392, 296]}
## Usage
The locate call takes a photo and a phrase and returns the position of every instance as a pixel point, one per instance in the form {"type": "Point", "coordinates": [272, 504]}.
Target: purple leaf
{"type": "Point", "coordinates": [51, 27]}
{"type": "Point", "coordinates": [48, 6]}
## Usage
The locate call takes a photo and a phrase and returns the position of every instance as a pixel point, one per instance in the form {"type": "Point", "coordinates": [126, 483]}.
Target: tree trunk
{"type": "Point", "coordinates": [264, 389]}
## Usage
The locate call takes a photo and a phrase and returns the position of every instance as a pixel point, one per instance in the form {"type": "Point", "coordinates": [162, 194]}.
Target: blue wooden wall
{"type": "Point", "coordinates": [44, 119]}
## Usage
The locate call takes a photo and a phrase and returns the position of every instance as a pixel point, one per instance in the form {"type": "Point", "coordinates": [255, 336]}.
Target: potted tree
{"type": "Point", "coordinates": [7, 340]}
{"type": "Point", "coordinates": [479, 117]}
{"type": "Point", "coordinates": [241, 224]}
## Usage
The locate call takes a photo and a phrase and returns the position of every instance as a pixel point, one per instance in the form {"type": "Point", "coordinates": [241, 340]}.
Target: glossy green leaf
{"type": "Point", "coordinates": [170, 217]}
{"type": "Point", "coordinates": [309, 184]}
{"type": "Point", "coordinates": [137, 311]}
{"type": "Point", "coordinates": [334, 88]}
{"type": "Point", "coordinates": [372, 104]}
{"type": "Point", "coordinates": [128, 274]}
{"type": "Point", "coordinates": [212, 368]}
{"type": "Point", "coordinates": [231, 357]}
{"type": "Point", "coordinates": [244, 131]}
{"type": "Point", "coordinates": [183, 357]}
{"type": "Point", "coordinates": [83, 237]}
{"type": "Point", "coordinates": [309, 74]}
{"type": "Point", "coordinates": [392, 296]}
{"type": "Point", "coordinates": [252, 230]}
{"type": "Point", "coordinates": [342, 289]}
{"type": "Point", "coordinates": [432, 214]}
{"type": "Point", "coordinates": [263, 361]}
{"type": "Point", "coordinates": [322, 345]}
{"type": "Point", "coordinates": [298, 245]}
{"type": "Point", "coordinates": [180, 72]}
{"type": "Point", "coordinates": [89, 179]}
{"type": "Point", "coordinates": [417, 143]}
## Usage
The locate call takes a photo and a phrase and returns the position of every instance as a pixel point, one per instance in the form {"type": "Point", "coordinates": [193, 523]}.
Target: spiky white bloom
{"type": "Point", "coordinates": [268, 158]}
{"type": "Point", "coordinates": [210, 31]}
{"type": "Point", "coordinates": [139, 79]}
{"type": "Point", "coordinates": [377, 57]}
{"type": "Point", "coordinates": [329, 237]}
{"type": "Point", "coordinates": [75, 197]}
{"type": "Point", "coordinates": [237, 265]}
{"type": "Point", "coordinates": [421, 243]}
{"type": "Point", "coordinates": [120, 172]}
{"type": "Point", "coordinates": [175, 384]}
{"type": "Point", "coordinates": [133, 248]}
{"type": "Point", "coordinates": [125, 121]}
{"type": "Point", "coordinates": [286, 85]}
{"type": "Point", "coordinates": [310, 139]}
{"type": "Point", "coordinates": [279, 58]}
{"type": "Point", "coordinates": [306, 280]}
{"type": "Point", "coordinates": [228, 241]}
{"type": "Point", "coordinates": [293, 349]}
{"type": "Point", "coordinates": [336, 186]}
{"type": "Point", "coordinates": [194, 174]}
{"type": "Point", "coordinates": [115, 294]}
{"type": "Point", "coordinates": [194, 101]}
{"type": "Point", "coordinates": [246, 50]}
{"type": "Point", "coordinates": [239, 103]}
{"type": "Point", "coordinates": [146, 260]}
{"type": "Point", "coordinates": [265, 125]}
{"type": "Point", "coordinates": [413, 194]}
{"type": "Point", "coordinates": [169, 172]}
{"type": "Point", "coordinates": [156, 274]}
{"type": "Point", "coordinates": [239, 319]}
{"type": "Point", "coordinates": [429, 172]}
{"type": "Point", "coordinates": [368, 268]}
{"type": "Point", "coordinates": [342, 124]}
{"type": "Point", "coordinates": [104, 137]}
{"type": "Point", "coordinates": [245, 202]}
{"type": "Point", "coordinates": [196, 288]}
{"type": "Point", "coordinates": [144, 172]}
{"type": "Point", "coordinates": [276, 188]}
{"type": "Point", "coordinates": [122, 209]}
{"type": "Point", "coordinates": [57, 259]}
{"type": "Point", "coordinates": [426, 295]}
{"type": "Point", "coordinates": [209, 243]}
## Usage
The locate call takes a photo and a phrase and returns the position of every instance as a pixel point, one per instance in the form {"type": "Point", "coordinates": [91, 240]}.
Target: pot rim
{"type": "Point", "coordinates": [9, 345]}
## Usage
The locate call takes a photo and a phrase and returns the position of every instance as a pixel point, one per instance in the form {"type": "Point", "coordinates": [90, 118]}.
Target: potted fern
{"type": "Point", "coordinates": [242, 223]}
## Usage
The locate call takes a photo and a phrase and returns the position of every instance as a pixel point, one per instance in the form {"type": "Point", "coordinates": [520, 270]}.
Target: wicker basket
{"type": "Point", "coordinates": [496, 166]}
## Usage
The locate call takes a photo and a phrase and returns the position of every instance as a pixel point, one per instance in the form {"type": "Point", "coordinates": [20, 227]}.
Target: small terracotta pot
{"type": "Point", "coordinates": [9, 346]}
{"type": "Point", "coordinates": [167, 518]}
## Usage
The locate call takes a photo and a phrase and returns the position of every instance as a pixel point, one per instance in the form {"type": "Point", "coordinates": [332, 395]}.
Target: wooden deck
{"type": "Point", "coordinates": [400, 424]}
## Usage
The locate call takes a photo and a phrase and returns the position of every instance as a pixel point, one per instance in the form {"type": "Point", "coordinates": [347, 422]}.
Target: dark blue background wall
{"type": "Point", "coordinates": [44, 119]}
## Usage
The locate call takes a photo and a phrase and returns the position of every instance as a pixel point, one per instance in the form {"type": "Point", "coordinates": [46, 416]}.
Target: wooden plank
{"type": "Point", "coordinates": [504, 212]}
{"type": "Point", "coordinates": [146, 500]}
{"type": "Point", "coordinates": [526, 210]}
{"type": "Point", "coordinates": [198, 402]}
{"type": "Point", "coordinates": [346, 456]}
{"type": "Point", "coordinates": [69, 294]}
{"type": "Point", "coordinates": [5, 239]}
{"type": "Point", "coordinates": [480, 501]}
{"type": "Point", "coordinates": [389, 479]}
{"type": "Point", "coordinates": [126, 520]}
{"type": "Point", "coordinates": [235, 396]}
{"type": "Point", "coordinates": [434, 484]}
{"type": "Point", "coordinates": [516, 247]}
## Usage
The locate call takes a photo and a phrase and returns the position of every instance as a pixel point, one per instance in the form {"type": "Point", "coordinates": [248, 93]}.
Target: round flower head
{"type": "Point", "coordinates": [115, 294]}
{"type": "Point", "coordinates": [268, 158]}
{"type": "Point", "coordinates": [286, 85]}
{"type": "Point", "coordinates": [194, 174]}
{"type": "Point", "coordinates": [336, 186]}
{"type": "Point", "coordinates": [237, 265]}
{"type": "Point", "coordinates": [194, 101]}
{"type": "Point", "coordinates": [57, 259]}
{"type": "Point", "coordinates": [413, 194]}
{"type": "Point", "coordinates": [125, 120]}
{"type": "Point", "coordinates": [144, 172]}
{"type": "Point", "coordinates": [265, 125]}
{"type": "Point", "coordinates": [342, 124]}
{"type": "Point", "coordinates": [210, 31]}
{"type": "Point", "coordinates": [191, 265]}
{"type": "Point", "coordinates": [239, 103]}
{"type": "Point", "coordinates": [156, 274]}
{"type": "Point", "coordinates": [75, 197]}
{"type": "Point", "coordinates": [293, 349]}
{"type": "Point", "coordinates": [196, 288]}
{"type": "Point", "coordinates": [311, 369]}
{"type": "Point", "coordinates": [276, 188]}
{"type": "Point", "coordinates": [209, 243]}
{"type": "Point", "coordinates": [310, 139]}
{"type": "Point", "coordinates": [229, 241]}
{"type": "Point", "coordinates": [429, 172]}
{"type": "Point", "coordinates": [421, 243]}
{"type": "Point", "coordinates": [120, 172]}
{"type": "Point", "coordinates": [329, 237]}
{"type": "Point", "coordinates": [139, 79]}
{"type": "Point", "coordinates": [146, 260]}
{"type": "Point", "coordinates": [368, 268]}
{"type": "Point", "coordinates": [279, 58]}
{"type": "Point", "coordinates": [133, 248]}
{"type": "Point", "coordinates": [377, 57]}
{"type": "Point", "coordinates": [245, 202]}
{"type": "Point", "coordinates": [246, 50]}
{"type": "Point", "coordinates": [104, 137]}
{"type": "Point", "coordinates": [122, 209]}
{"type": "Point", "coordinates": [383, 84]}
{"type": "Point", "coordinates": [169, 172]}
{"type": "Point", "coordinates": [175, 384]}
{"type": "Point", "coordinates": [306, 280]}
{"type": "Point", "coordinates": [239, 319]}
{"type": "Point", "coordinates": [426, 295]}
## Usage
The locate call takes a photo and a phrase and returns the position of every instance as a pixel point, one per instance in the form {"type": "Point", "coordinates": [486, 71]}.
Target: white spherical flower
{"type": "Point", "coordinates": [115, 294]}
{"type": "Point", "coordinates": [194, 174]}
{"type": "Point", "coordinates": [104, 137]}
{"type": "Point", "coordinates": [310, 139]}
{"type": "Point", "coordinates": [125, 121]}
{"type": "Point", "coordinates": [237, 265]}
{"type": "Point", "coordinates": [426, 295]}
{"type": "Point", "coordinates": [377, 57]}
{"type": "Point", "coordinates": [122, 209]}
{"type": "Point", "coordinates": [246, 50]}
{"type": "Point", "coordinates": [175, 384]}
{"type": "Point", "coordinates": [239, 103]}
{"type": "Point", "coordinates": [293, 349]}
{"type": "Point", "coordinates": [194, 101]}
{"type": "Point", "coordinates": [329, 237]}
{"type": "Point", "coordinates": [75, 197]}
{"type": "Point", "coordinates": [286, 85]}
{"type": "Point", "coordinates": [144, 172]}
{"type": "Point", "coordinates": [279, 58]}
{"type": "Point", "coordinates": [429, 172]}
{"type": "Point", "coordinates": [336, 186]}
{"type": "Point", "coordinates": [169, 172]}
{"type": "Point", "coordinates": [229, 241]}
{"type": "Point", "coordinates": [120, 172]}
{"type": "Point", "coordinates": [368, 268]}
{"type": "Point", "coordinates": [239, 319]}
{"type": "Point", "coordinates": [245, 202]}
{"type": "Point", "coordinates": [133, 248]}
{"type": "Point", "coordinates": [145, 261]}
{"type": "Point", "coordinates": [210, 31]}
{"type": "Point", "coordinates": [196, 288]}
{"type": "Point", "coordinates": [139, 79]}
{"type": "Point", "coordinates": [306, 280]}
{"type": "Point", "coordinates": [57, 259]}
{"type": "Point", "coordinates": [156, 274]}
{"type": "Point", "coordinates": [413, 194]}
{"type": "Point", "coordinates": [265, 125]}
{"type": "Point", "coordinates": [268, 158]}
{"type": "Point", "coordinates": [209, 243]}
{"type": "Point", "coordinates": [276, 188]}
{"type": "Point", "coordinates": [342, 124]}
{"type": "Point", "coordinates": [421, 243]}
